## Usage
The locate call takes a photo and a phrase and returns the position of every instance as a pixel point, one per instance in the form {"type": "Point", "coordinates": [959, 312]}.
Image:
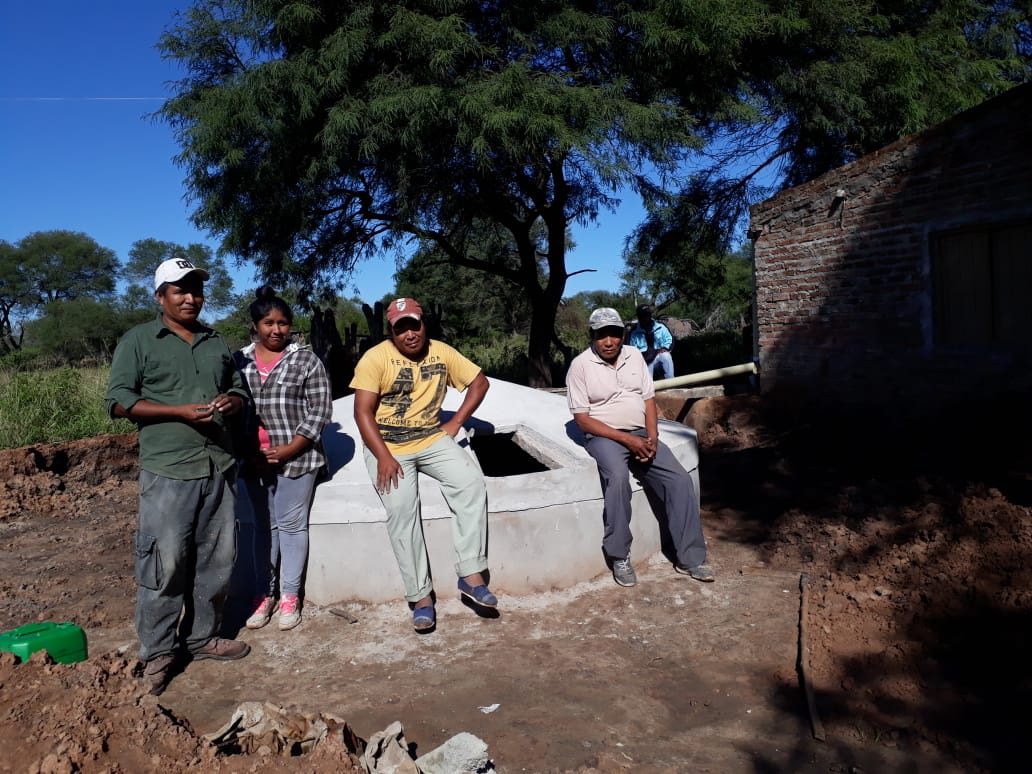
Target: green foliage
{"type": "Point", "coordinates": [476, 306]}
{"type": "Point", "coordinates": [348, 312]}
{"type": "Point", "coordinates": [64, 265]}
{"type": "Point", "coordinates": [75, 331]}
{"type": "Point", "coordinates": [134, 306]}
{"type": "Point", "coordinates": [236, 333]}
{"type": "Point", "coordinates": [589, 300]}
{"type": "Point", "coordinates": [503, 358]}
{"type": "Point", "coordinates": [572, 321]}
{"type": "Point", "coordinates": [734, 296]}
{"type": "Point", "coordinates": [23, 359]}
{"type": "Point", "coordinates": [825, 83]}
{"type": "Point", "coordinates": [49, 266]}
{"type": "Point", "coordinates": [315, 133]}
{"type": "Point", "coordinates": [858, 74]}
{"type": "Point", "coordinates": [146, 255]}
{"type": "Point", "coordinates": [711, 349]}
{"type": "Point", "coordinates": [236, 326]}
{"type": "Point", "coordinates": [712, 289]}
{"type": "Point", "coordinates": [14, 293]}
{"type": "Point", "coordinates": [52, 406]}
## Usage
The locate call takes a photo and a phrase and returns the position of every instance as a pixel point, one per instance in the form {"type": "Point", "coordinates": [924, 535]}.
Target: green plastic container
{"type": "Point", "coordinates": [65, 642]}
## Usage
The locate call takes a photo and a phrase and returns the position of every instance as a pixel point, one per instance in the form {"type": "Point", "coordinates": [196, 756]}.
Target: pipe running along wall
{"type": "Point", "coordinates": [706, 376]}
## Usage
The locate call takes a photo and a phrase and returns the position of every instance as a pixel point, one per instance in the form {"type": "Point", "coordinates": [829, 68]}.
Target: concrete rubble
{"type": "Point", "coordinates": [264, 728]}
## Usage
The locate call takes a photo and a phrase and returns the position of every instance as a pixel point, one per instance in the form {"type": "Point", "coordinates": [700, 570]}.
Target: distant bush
{"type": "Point", "coordinates": [63, 404]}
{"type": "Point", "coordinates": [710, 349]}
{"type": "Point", "coordinates": [20, 360]}
{"type": "Point", "coordinates": [503, 358]}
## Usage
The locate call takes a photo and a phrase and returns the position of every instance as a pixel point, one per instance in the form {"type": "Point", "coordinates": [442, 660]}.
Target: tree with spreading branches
{"type": "Point", "coordinates": [315, 133]}
{"type": "Point", "coordinates": [146, 255]}
{"type": "Point", "coordinates": [46, 269]}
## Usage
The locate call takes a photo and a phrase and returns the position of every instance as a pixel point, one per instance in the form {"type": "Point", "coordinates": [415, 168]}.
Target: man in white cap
{"type": "Point", "coordinates": [400, 386]}
{"type": "Point", "coordinates": [610, 393]}
{"type": "Point", "coordinates": [175, 378]}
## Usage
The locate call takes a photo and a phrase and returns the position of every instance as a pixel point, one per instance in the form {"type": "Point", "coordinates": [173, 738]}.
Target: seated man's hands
{"type": "Point", "coordinates": [643, 449]}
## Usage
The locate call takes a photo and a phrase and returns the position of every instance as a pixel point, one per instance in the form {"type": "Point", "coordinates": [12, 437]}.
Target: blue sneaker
{"type": "Point", "coordinates": [480, 594]}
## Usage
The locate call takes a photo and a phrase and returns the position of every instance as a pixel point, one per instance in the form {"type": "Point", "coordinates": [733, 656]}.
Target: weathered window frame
{"type": "Point", "coordinates": [982, 287]}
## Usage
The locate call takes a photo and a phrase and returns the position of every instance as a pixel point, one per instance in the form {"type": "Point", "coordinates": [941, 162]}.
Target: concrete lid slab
{"type": "Point", "coordinates": [541, 424]}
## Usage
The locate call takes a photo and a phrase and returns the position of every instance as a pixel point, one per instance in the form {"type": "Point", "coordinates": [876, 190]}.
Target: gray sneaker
{"type": "Point", "coordinates": [700, 572]}
{"type": "Point", "coordinates": [623, 573]}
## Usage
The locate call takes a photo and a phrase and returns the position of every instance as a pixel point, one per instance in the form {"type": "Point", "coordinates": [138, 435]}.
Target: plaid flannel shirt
{"type": "Point", "coordinates": [296, 399]}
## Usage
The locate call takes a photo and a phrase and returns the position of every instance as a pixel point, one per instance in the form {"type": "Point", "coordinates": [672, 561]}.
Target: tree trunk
{"type": "Point", "coordinates": [544, 302]}
{"type": "Point", "coordinates": [542, 326]}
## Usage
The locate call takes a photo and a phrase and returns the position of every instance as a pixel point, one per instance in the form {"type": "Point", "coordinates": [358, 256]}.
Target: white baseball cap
{"type": "Point", "coordinates": [174, 269]}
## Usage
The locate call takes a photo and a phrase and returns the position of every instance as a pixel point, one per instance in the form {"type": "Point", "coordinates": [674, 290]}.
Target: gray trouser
{"type": "Point", "coordinates": [666, 478]}
{"type": "Point", "coordinates": [185, 550]}
{"type": "Point", "coordinates": [463, 487]}
{"type": "Point", "coordinates": [281, 508]}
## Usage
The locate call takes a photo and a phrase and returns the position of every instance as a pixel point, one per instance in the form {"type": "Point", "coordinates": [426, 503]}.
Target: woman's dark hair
{"type": "Point", "coordinates": [266, 301]}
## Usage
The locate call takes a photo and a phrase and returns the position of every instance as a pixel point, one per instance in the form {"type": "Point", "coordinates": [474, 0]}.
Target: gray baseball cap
{"type": "Point", "coordinates": [605, 317]}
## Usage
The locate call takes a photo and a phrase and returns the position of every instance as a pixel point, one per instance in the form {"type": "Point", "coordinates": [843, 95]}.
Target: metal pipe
{"type": "Point", "coordinates": [706, 376]}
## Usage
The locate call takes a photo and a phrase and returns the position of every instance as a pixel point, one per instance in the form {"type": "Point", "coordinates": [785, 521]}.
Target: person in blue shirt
{"type": "Point", "coordinates": [654, 341]}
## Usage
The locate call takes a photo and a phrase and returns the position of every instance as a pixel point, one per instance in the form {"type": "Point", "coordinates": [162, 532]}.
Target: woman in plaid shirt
{"type": "Point", "coordinates": [292, 401]}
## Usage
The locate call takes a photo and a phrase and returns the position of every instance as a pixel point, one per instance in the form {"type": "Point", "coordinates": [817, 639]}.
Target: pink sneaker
{"type": "Point", "coordinates": [263, 609]}
{"type": "Point", "coordinates": [289, 612]}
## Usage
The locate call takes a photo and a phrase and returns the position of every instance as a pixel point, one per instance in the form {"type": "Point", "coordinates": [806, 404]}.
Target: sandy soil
{"type": "Point", "coordinates": [912, 543]}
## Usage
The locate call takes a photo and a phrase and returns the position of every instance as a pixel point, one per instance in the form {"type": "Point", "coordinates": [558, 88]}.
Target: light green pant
{"type": "Point", "coordinates": [463, 487]}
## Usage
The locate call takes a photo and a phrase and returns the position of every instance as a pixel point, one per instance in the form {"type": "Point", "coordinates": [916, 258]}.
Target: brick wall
{"type": "Point", "coordinates": [843, 289]}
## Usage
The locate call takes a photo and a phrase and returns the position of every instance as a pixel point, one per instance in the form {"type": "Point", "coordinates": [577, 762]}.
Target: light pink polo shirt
{"type": "Point", "coordinates": [615, 396]}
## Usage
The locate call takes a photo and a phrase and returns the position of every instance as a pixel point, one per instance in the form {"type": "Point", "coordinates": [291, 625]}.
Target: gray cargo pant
{"type": "Point", "coordinates": [185, 550]}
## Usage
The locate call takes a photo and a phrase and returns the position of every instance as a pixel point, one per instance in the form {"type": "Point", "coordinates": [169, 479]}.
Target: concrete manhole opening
{"type": "Point", "coordinates": [512, 453]}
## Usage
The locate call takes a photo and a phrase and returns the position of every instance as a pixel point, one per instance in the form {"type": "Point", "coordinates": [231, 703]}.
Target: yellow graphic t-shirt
{"type": "Point", "coordinates": [411, 393]}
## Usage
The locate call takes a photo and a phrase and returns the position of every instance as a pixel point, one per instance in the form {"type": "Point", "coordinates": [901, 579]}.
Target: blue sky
{"type": "Point", "coordinates": [77, 152]}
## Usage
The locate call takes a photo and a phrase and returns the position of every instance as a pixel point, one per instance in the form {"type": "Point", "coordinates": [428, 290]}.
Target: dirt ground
{"type": "Point", "coordinates": [899, 549]}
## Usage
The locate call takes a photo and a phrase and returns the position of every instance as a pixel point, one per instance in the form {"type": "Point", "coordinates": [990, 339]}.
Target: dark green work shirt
{"type": "Point", "coordinates": [152, 363]}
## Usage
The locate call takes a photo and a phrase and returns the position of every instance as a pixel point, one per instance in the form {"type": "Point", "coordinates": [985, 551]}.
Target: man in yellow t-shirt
{"type": "Point", "coordinates": [399, 386]}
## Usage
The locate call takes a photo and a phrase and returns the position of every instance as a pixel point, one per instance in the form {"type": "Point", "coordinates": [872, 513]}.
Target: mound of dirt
{"type": "Point", "coordinates": [56, 478]}
{"type": "Point", "coordinates": [916, 536]}
{"type": "Point", "coordinates": [94, 716]}
{"type": "Point", "coordinates": [75, 717]}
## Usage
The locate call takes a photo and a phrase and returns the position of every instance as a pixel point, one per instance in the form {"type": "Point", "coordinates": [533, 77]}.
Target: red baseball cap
{"type": "Point", "coordinates": [403, 307]}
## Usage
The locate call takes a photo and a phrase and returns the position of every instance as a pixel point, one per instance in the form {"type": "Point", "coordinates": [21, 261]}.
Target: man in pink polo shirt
{"type": "Point", "coordinates": [610, 393]}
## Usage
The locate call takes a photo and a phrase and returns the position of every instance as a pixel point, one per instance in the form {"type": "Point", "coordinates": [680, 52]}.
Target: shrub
{"type": "Point", "coordinates": [503, 358]}
{"type": "Point", "coordinates": [64, 404]}
{"type": "Point", "coordinates": [710, 349]}
{"type": "Point", "coordinates": [23, 359]}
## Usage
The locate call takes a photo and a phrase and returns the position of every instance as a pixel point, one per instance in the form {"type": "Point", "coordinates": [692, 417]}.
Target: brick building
{"type": "Point", "coordinates": [907, 273]}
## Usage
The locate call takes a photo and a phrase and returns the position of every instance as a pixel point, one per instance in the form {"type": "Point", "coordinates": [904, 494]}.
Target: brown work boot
{"type": "Point", "coordinates": [157, 672]}
{"type": "Point", "coordinates": [222, 650]}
